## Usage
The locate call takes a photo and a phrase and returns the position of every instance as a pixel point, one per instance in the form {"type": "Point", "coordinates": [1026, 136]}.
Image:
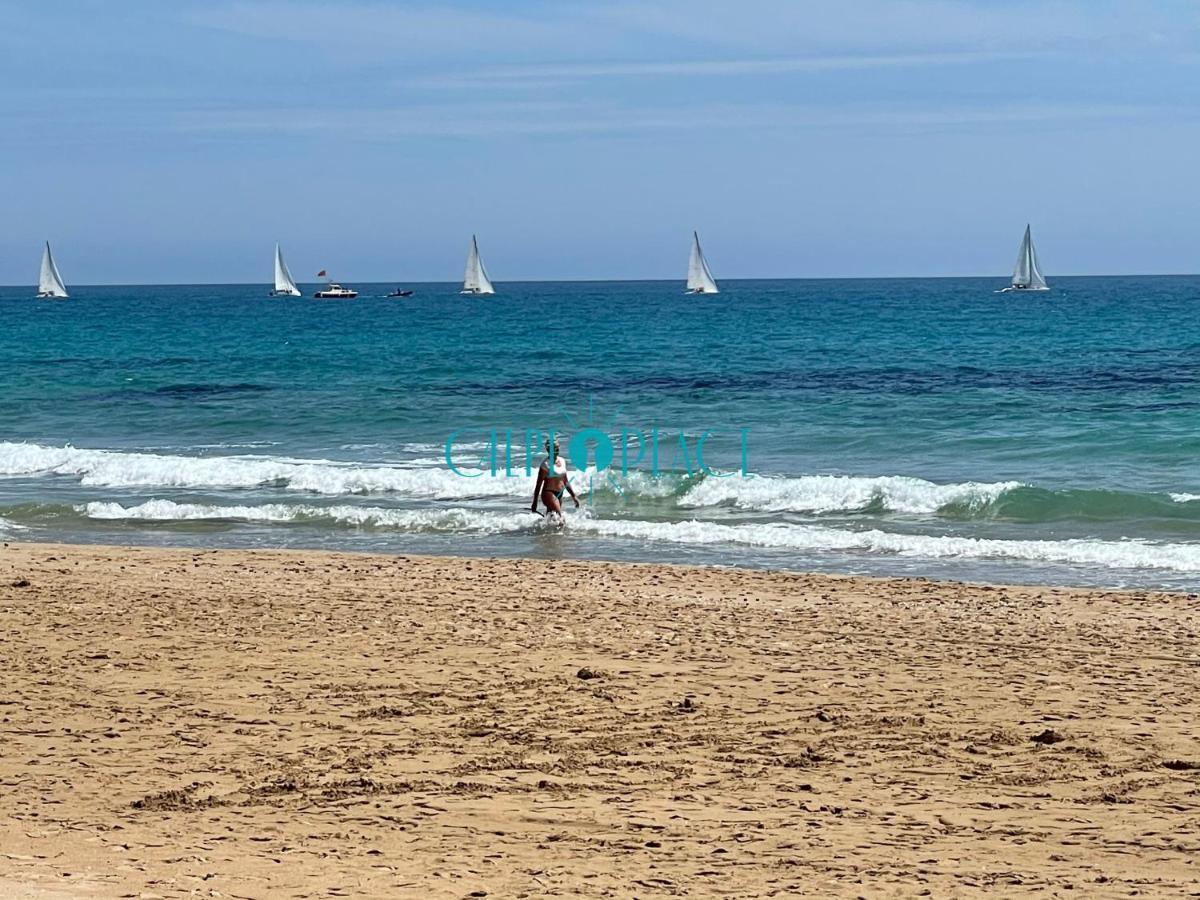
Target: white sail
{"type": "Point", "coordinates": [476, 280]}
{"type": "Point", "coordinates": [699, 279]}
{"type": "Point", "coordinates": [283, 278]}
{"type": "Point", "coordinates": [1027, 274]}
{"type": "Point", "coordinates": [50, 283]}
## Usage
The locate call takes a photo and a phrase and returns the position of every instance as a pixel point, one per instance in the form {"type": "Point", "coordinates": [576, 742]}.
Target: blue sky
{"type": "Point", "coordinates": [175, 141]}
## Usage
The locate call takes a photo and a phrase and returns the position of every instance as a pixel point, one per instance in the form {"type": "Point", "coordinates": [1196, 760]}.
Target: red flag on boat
{"type": "Point", "coordinates": [321, 274]}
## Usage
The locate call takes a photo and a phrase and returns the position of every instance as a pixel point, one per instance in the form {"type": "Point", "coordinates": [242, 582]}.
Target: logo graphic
{"type": "Point", "coordinates": [605, 451]}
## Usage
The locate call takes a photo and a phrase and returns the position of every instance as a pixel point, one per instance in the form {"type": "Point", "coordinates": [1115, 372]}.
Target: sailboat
{"type": "Point", "coordinates": [50, 283]}
{"type": "Point", "coordinates": [476, 280]}
{"type": "Point", "coordinates": [1027, 275]}
{"type": "Point", "coordinates": [284, 285]}
{"type": "Point", "coordinates": [699, 279]}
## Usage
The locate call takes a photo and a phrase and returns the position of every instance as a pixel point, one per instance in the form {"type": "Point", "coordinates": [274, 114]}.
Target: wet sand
{"type": "Point", "coordinates": [302, 724]}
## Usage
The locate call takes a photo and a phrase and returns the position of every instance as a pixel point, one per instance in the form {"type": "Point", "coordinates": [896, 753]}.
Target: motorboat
{"type": "Point", "coordinates": [333, 291]}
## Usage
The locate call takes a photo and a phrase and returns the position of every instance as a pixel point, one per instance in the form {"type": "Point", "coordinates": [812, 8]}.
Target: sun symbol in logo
{"type": "Point", "coordinates": [590, 448]}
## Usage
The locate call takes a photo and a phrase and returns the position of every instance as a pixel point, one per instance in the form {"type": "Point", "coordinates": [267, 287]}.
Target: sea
{"type": "Point", "coordinates": [912, 427]}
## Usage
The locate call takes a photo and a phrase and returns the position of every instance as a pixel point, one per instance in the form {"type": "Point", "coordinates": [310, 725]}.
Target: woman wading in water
{"type": "Point", "coordinates": [551, 482]}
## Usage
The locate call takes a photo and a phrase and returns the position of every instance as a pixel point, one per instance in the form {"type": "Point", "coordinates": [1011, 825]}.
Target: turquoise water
{"type": "Point", "coordinates": [894, 426]}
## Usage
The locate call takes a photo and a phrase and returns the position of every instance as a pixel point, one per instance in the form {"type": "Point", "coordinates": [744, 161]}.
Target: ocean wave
{"type": "Point", "coordinates": [211, 389]}
{"type": "Point", "coordinates": [456, 520]}
{"type": "Point", "coordinates": [1123, 554]}
{"type": "Point", "coordinates": [1034, 505]}
{"type": "Point", "coordinates": [634, 483]}
{"type": "Point", "coordinates": [457, 447]}
{"type": "Point", "coordinates": [1002, 500]}
{"type": "Point", "coordinates": [1129, 554]}
{"type": "Point", "coordinates": [222, 445]}
{"type": "Point", "coordinates": [842, 493]}
{"type": "Point", "coordinates": [426, 478]}
{"type": "Point", "coordinates": [108, 468]}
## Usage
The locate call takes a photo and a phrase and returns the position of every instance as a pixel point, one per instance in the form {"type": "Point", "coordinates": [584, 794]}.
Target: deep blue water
{"type": "Point", "coordinates": [927, 427]}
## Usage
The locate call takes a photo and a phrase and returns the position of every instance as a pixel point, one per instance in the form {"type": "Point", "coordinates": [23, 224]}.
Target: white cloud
{"type": "Point", "coordinates": [552, 73]}
{"type": "Point", "coordinates": [873, 24]}
{"type": "Point", "coordinates": [486, 120]}
{"type": "Point", "coordinates": [545, 31]}
{"type": "Point", "coordinates": [405, 32]}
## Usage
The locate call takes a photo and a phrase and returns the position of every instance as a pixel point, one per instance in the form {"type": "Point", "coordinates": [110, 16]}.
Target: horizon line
{"type": "Point", "coordinates": [723, 279]}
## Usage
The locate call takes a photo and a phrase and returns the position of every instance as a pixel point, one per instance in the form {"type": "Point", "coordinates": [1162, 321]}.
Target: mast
{"type": "Point", "coordinates": [1028, 255]}
{"type": "Point", "coordinates": [1020, 276]}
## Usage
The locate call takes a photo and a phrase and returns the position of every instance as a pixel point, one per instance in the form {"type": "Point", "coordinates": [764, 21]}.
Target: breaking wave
{"type": "Point", "coordinates": [453, 520]}
{"type": "Point", "coordinates": [1123, 554]}
{"type": "Point", "coordinates": [840, 493]}
{"type": "Point", "coordinates": [108, 468]}
{"type": "Point", "coordinates": [1001, 500]}
{"type": "Point", "coordinates": [427, 478]}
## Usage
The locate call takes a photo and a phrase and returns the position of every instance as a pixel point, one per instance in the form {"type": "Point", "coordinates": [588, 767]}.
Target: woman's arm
{"type": "Point", "coordinates": [570, 490]}
{"type": "Point", "coordinates": [537, 488]}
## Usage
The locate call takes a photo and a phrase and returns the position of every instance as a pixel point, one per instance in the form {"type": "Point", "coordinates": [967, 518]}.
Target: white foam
{"type": "Point", "coordinates": [838, 493]}
{"type": "Point", "coordinates": [1184, 498]}
{"type": "Point", "coordinates": [108, 468]}
{"type": "Point", "coordinates": [1129, 554]}
{"type": "Point", "coordinates": [457, 447]}
{"type": "Point", "coordinates": [427, 477]}
{"type": "Point", "coordinates": [452, 520]}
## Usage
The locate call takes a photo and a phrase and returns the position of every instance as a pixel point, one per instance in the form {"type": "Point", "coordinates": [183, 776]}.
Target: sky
{"type": "Point", "coordinates": [175, 142]}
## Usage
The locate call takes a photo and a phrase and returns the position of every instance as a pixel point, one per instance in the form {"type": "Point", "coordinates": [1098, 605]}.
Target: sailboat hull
{"type": "Point", "coordinates": [1022, 290]}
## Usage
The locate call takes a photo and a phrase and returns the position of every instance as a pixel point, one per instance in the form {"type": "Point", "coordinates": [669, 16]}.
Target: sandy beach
{"type": "Point", "coordinates": [303, 724]}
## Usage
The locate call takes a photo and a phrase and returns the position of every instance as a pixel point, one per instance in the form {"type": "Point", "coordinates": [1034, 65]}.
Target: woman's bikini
{"type": "Point", "coordinates": [553, 474]}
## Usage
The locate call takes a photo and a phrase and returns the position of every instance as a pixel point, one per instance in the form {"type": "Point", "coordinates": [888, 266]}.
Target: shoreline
{"type": "Point", "coordinates": [291, 722]}
{"type": "Point", "coordinates": [15, 538]}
